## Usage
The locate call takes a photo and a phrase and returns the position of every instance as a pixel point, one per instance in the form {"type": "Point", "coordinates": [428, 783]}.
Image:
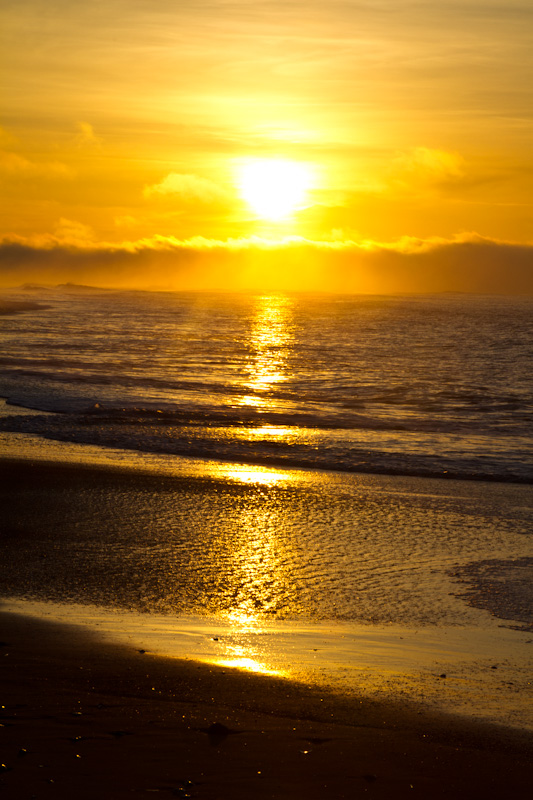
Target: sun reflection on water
{"type": "Point", "coordinates": [247, 664]}
{"type": "Point", "coordinates": [247, 473]}
{"type": "Point", "coordinates": [270, 342]}
{"type": "Point", "coordinates": [259, 583]}
{"type": "Point", "coordinates": [245, 621]}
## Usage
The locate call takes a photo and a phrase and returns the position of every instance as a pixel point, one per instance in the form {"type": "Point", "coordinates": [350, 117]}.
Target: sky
{"type": "Point", "coordinates": [130, 130]}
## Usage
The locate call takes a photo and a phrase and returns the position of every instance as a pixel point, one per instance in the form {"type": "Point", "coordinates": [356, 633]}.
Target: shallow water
{"type": "Point", "coordinates": [236, 541]}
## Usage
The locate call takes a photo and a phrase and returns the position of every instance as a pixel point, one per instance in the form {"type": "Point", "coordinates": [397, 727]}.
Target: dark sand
{"type": "Point", "coordinates": [83, 718]}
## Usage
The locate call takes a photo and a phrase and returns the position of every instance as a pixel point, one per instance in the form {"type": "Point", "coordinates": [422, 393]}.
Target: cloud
{"type": "Point", "coordinates": [466, 263]}
{"type": "Point", "coordinates": [125, 221]}
{"type": "Point", "coordinates": [73, 232]}
{"type": "Point", "coordinates": [188, 187]}
{"type": "Point", "coordinates": [423, 166]}
{"type": "Point", "coordinates": [86, 136]}
{"type": "Point", "coordinates": [16, 166]}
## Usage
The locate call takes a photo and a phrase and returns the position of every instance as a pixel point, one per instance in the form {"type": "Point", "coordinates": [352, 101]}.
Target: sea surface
{"type": "Point", "coordinates": [428, 385]}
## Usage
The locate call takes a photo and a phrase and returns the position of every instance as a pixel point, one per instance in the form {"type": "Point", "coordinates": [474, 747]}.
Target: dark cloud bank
{"type": "Point", "coordinates": [463, 265]}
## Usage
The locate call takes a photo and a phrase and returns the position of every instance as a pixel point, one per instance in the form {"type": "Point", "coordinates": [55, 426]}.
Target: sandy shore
{"type": "Point", "coordinates": [86, 718]}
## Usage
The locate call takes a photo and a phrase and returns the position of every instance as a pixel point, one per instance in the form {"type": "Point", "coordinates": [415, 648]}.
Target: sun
{"type": "Point", "coordinates": [274, 188]}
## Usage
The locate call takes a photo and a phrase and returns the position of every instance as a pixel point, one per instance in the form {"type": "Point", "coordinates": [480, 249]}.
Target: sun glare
{"type": "Point", "coordinates": [274, 188]}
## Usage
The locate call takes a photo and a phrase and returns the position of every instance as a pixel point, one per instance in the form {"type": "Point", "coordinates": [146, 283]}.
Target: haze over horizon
{"type": "Point", "coordinates": [360, 146]}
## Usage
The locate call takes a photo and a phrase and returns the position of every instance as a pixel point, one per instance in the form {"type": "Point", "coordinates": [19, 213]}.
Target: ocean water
{"type": "Point", "coordinates": [430, 385]}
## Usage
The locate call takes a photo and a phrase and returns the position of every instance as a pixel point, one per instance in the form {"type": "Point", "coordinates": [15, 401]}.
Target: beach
{"type": "Point", "coordinates": [86, 718]}
{"type": "Point", "coordinates": [171, 702]}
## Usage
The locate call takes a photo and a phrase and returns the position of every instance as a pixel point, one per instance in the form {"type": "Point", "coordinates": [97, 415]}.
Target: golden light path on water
{"type": "Point", "coordinates": [269, 343]}
{"type": "Point", "coordinates": [261, 559]}
{"type": "Point", "coordinates": [244, 473]}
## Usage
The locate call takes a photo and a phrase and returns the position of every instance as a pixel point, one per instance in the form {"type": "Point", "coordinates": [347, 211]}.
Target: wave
{"type": "Point", "coordinates": [367, 451]}
{"type": "Point", "coordinates": [219, 401]}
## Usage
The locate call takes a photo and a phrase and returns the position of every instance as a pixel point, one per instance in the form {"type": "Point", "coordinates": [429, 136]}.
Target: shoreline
{"type": "Point", "coordinates": [483, 674]}
{"type": "Point", "coordinates": [22, 445]}
{"type": "Point", "coordinates": [27, 447]}
{"type": "Point", "coordinates": [85, 718]}
{"type": "Point", "coordinates": [146, 713]}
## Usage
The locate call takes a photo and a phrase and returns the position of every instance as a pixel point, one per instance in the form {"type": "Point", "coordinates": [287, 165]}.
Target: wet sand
{"type": "Point", "coordinates": [86, 718]}
{"type": "Point", "coordinates": [481, 674]}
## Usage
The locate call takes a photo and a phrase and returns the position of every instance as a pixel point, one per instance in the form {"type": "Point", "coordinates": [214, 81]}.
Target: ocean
{"type": "Point", "coordinates": [332, 487]}
{"type": "Point", "coordinates": [431, 385]}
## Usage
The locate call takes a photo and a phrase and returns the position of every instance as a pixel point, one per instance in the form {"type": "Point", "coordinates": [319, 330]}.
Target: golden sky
{"type": "Point", "coordinates": [128, 126]}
